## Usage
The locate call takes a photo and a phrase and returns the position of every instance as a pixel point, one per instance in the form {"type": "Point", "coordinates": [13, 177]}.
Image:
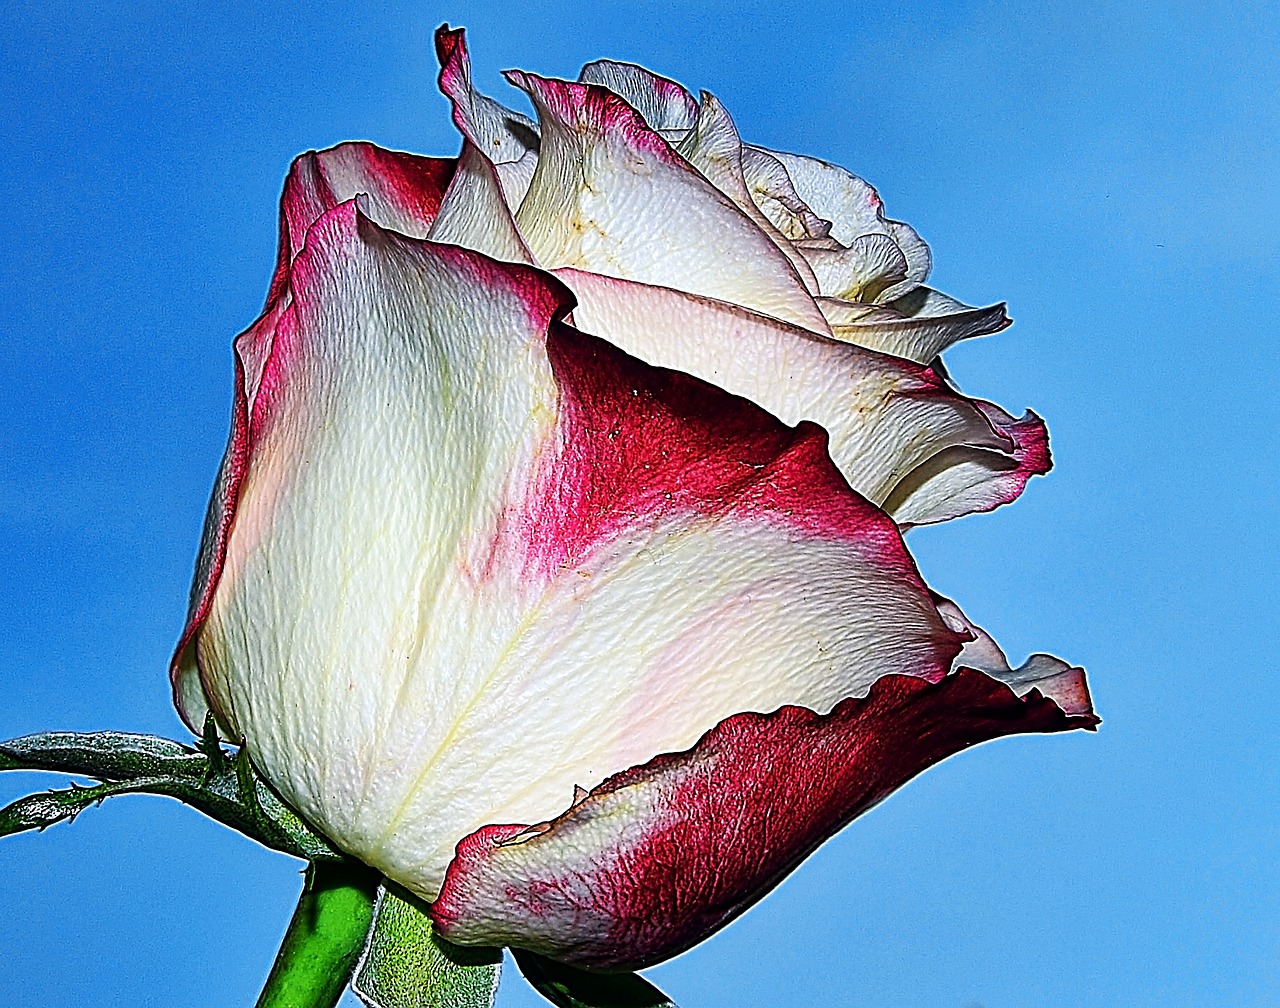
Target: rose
{"type": "Point", "coordinates": [469, 568]}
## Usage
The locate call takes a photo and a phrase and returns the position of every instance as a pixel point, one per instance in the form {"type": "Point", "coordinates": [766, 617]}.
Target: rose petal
{"type": "Point", "coordinates": [919, 259]}
{"type": "Point", "coordinates": [854, 209]}
{"type": "Point", "coordinates": [474, 212]}
{"type": "Point", "coordinates": [610, 196]}
{"type": "Point", "coordinates": [503, 530]}
{"type": "Point", "coordinates": [659, 857]}
{"type": "Point", "coordinates": [403, 191]}
{"type": "Point", "coordinates": [851, 205]}
{"type": "Point", "coordinates": [713, 147]}
{"type": "Point", "coordinates": [1064, 684]}
{"type": "Point", "coordinates": [896, 429]}
{"type": "Point", "coordinates": [917, 326]}
{"type": "Point", "coordinates": [970, 479]}
{"type": "Point", "coordinates": [507, 138]}
{"type": "Point", "coordinates": [665, 105]}
{"type": "Point", "coordinates": [869, 266]}
{"type": "Point", "coordinates": [184, 673]}
{"type": "Point", "coordinates": [773, 192]}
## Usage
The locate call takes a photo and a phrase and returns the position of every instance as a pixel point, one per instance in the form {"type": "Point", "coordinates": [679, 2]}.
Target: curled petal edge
{"type": "Point", "coordinates": [918, 337]}
{"type": "Point", "coordinates": [508, 139]}
{"type": "Point", "coordinates": [973, 478]}
{"type": "Point", "coordinates": [657, 858]}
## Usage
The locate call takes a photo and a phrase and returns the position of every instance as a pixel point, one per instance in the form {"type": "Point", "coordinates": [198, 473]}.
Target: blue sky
{"type": "Point", "coordinates": [1106, 169]}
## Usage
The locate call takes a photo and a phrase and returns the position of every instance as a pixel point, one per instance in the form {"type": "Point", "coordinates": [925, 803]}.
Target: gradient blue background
{"type": "Point", "coordinates": [1109, 170]}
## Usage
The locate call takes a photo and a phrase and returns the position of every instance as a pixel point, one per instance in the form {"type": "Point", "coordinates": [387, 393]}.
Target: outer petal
{"type": "Point", "coordinates": [659, 857]}
{"type": "Point", "coordinates": [900, 435]}
{"type": "Point", "coordinates": [1062, 683]}
{"type": "Point", "coordinates": [610, 196]}
{"type": "Point", "coordinates": [405, 192]}
{"type": "Point", "coordinates": [500, 558]}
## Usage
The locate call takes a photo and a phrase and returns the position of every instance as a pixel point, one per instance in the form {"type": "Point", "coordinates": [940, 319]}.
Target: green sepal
{"type": "Point", "coordinates": [106, 756]}
{"type": "Point", "coordinates": [406, 965]}
{"type": "Point", "coordinates": [568, 987]}
{"type": "Point", "coordinates": [222, 784]}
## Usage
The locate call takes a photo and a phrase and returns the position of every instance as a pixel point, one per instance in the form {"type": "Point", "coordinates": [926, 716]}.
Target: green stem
{"type": "Point", "coordinates": [325, 937]}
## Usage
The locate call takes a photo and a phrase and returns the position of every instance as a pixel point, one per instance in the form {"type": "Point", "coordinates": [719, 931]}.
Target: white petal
{"type": "Point", "coordinates": [918, 326]}
{"type": "Point", "coordinates": [772, 190]}
{"type": "Point", "coordinates": [610, 196]}
{"type": "Point", "coordinates": [474, 213]}
{"type": "Point", "coordinates": [919, 259]}
{"type": "Point", "coordinates": [870, 265]}
{"type": "Point", "coordinates": [1062, 683]}
{"type": "Point", "coordinates": [507, 138]}
{"type": "Point", "coordinates": [974, 477]}
{"type": "Point", "coordinates": [713, 147]}
{"type": "Point", "coordinates": [855, 211]}
{"type": "Point", "coordinates": [835, 194]}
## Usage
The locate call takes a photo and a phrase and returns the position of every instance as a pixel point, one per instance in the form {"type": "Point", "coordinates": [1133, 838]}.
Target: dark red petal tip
{"type": "Point", "coordinates": [659, 857]}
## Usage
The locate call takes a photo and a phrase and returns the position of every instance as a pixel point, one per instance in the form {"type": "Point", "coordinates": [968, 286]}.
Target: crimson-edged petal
{"type": "Point", "coordinates": [1052, 677]}
{"type": "Point", "coordinates": [463, 558]}
{"type": "Point", "coordinates": [479, 558]}
{"type": "Point", "coordinates": [405, 192]}
{"type": "Point", "coordinates": [506, 138]}
{"type": "Point", "coordinates": [972, 478]}
{"type": "Point", "coordinates": [663, 103]}
{"type": "Point", "coordinates": [401, 190]}
{"type": "Point", "coordinates": [901, 435]}
{"type": "Point", "coordinates": [659, 857]}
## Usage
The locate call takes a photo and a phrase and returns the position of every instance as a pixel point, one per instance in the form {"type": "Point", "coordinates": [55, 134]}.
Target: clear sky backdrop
{"type": "Point", "coordinates": [1108, 169]}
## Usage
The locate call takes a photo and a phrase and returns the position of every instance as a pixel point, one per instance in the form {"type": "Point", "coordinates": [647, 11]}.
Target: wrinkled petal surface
{"type": "Point", "coordinates": [659, 857]}
{"type": "Point", "coordinates": [501, 559]}
{"type": "Point", "coordinates": [901, 436]}
{"type": "Point", "coordinates": [405, 192]}
{"type": "Point", "coordinates": [610, 196]}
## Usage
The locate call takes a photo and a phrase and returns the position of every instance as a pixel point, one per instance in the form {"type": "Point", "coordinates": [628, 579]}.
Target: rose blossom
{"type": "Point", "coordinates": [585, 652]}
